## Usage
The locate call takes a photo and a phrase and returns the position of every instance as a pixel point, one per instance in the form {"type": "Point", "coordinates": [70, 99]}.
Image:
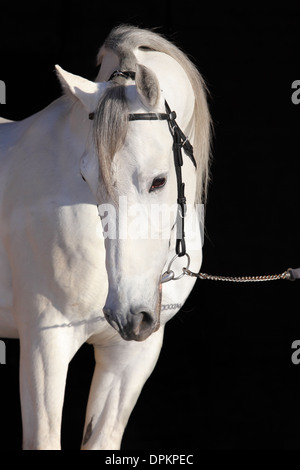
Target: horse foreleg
{"type": "Point", "coordinates": [44, 363]}
{"type": "Point", "coordinates": [120, 372]}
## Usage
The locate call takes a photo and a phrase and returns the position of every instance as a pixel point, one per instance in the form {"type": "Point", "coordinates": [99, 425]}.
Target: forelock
{"type": "Point", "coordinates": [110, 129]}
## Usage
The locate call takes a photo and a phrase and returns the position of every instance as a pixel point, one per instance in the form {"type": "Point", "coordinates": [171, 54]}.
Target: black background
{"type": "Point", "coordinates": [224, 379]}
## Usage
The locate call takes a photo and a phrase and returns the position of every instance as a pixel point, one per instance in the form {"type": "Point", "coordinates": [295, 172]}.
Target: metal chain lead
{"type": "Point", "coordinates": [271, 277]}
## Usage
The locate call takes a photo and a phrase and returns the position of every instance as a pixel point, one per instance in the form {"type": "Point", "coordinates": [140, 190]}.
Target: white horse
{"type": "Point", "coordinates": [59, 278]}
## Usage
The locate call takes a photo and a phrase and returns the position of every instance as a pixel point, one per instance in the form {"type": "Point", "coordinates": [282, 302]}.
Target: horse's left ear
{"type": "Point", "coordinates": [147, 86]}
{"type": "Point", "coordinates": [84, 90]}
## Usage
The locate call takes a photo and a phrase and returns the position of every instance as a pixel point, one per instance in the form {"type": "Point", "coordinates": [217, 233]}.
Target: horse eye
{"type": "Point", "coordinates": [158, 183]}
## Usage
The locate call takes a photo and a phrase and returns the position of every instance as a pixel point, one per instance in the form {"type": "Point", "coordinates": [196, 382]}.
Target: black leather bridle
{"type": "Point", "coordinates": [180, 141]}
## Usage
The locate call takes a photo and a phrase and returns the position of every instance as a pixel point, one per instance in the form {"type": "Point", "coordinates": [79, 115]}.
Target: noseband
{"type": "Point", "coordinates": [180, 141]}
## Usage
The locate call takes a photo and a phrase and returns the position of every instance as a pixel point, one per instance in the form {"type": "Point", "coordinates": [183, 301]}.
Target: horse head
{"type": "Point", "coordinates": [129, 167]}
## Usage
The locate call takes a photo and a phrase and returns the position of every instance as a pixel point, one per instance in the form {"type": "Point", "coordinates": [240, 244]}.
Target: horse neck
{"type": "Point", "coordinates": [66, 121]}
{"type": "Point", "coordinates": [110, 63]}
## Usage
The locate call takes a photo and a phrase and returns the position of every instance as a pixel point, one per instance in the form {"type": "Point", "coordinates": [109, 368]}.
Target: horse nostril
{"type": "Point", "coordinates": [142, 322]}
{"type": "Point", "coordinates": [147, 318]}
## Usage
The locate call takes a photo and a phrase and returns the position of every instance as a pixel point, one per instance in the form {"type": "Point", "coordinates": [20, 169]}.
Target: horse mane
{"type": "Point", "coordinates": [111, 115]}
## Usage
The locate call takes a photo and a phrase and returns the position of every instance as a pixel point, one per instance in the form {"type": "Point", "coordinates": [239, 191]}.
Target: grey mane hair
{"type": "Point", "coordinates": [123, 41]}
{"type": "Point", "coordinates": [110, 129]}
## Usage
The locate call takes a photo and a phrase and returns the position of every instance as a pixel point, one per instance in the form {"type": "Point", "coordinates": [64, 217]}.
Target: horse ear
{"type": "Point", "coordinates": [84, 90]}
{"type": "Point", "coordinates": [147, 86]}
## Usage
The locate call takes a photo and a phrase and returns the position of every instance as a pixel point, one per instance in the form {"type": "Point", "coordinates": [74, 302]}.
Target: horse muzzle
{"type": "Point", "coordinates": [135, 325]}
